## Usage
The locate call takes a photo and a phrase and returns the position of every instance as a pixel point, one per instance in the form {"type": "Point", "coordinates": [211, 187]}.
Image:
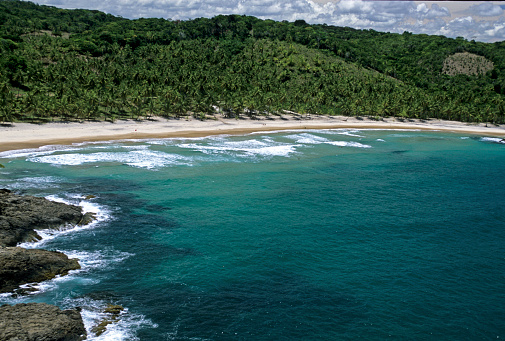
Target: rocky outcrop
{"type": "Point", "coordinates": [40, 322]}
{"type": "Point", "coordinates": [21, 215]}
{"type": "Point", "coordinates": [19, 266]}
{"type": "Point", "coordinates": [111, 315]}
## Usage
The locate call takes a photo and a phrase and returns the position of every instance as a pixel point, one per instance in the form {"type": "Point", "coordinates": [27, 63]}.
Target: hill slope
{"type": "Point", "coordinates": [79, 64]}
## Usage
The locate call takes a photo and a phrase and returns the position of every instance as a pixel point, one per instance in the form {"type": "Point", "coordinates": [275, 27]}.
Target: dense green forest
{"type": "Point", "coordinates": [86, 65]}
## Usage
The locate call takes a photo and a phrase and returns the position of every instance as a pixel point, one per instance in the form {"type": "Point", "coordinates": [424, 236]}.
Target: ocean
{"type": "Point", "coordinates": [335, 234]}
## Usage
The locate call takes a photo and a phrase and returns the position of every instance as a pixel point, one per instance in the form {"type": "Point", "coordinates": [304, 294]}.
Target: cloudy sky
{"type": "Point", "coordinates": [478, 20]}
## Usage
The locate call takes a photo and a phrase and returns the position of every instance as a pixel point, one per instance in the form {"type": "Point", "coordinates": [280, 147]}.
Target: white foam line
{"type": "Point", "coordinates": [101, 214]}
{"type": "Point", "coordinates": [307, 138]}
{"type": "Point", "coordinates": [124, 329]}
{"type": "Point", "coordinates": [44, 150]}
{"type": "Point", "coordinates": [332, 130]}
{"type": "Point", "coordinates": [279, 150]}
{"type": "Point", "coordinates": [162, 141]}
{"type": "Point", "coordinates": [493, 139]}
{"type": "Point", "coordinates": [97, 259]}
{"type": "Point", "coordinates": [350, 133]}
{"type": "Point", "coordinates": [136, 157]}
{"type": "Point", "coordinates": [89, 261]}
{"type": "Point", "coordinates": [349, 144]}
{"type": "Point", "coordinates": [33, 289]}
{"type": "Point", "coordinates": [36, 182]}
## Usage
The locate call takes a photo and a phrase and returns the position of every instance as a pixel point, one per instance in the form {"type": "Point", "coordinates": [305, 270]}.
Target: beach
{"type": "Point", "coordinates": [27, 135]}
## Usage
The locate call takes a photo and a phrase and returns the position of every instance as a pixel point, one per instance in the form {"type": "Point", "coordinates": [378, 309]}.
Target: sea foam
{"type": "Point", "coordinates": [44, 150]}
{"type": "Point", "coordinates": [246, 148]}
{"type": "Point", "coordinates": [350, 133]}
{"type": "Point", "coordinates": [493, 140]}
{"type": "Point", "coordinates": [125, 328]}
{"type": "Point", "coordinates": [90, 262]}
{"type": "Point", "coordinates": [306, 138]}
{"type": "Point", "coordinates": [141, 158]}
{"type": "Point", "coordinates": [310, 139]}
{"type": "Point", "coordinates": [41, 182]}
{"type": "Point", "coordinates": [349, 144]}
{"type": "Point", "coordinates": [101, 213]}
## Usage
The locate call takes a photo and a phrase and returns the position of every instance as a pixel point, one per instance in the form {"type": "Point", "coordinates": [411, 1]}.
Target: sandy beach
{"type": "Point", "coordinates": [27, 135]}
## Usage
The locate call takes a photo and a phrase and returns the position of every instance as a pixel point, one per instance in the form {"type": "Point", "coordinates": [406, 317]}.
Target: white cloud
{"type": "Point", "coordinates": [389, 16]}
{"type": "Point", "coordinates": [424, 12]}
{"type": "Point", "coordinates": [486, 9]}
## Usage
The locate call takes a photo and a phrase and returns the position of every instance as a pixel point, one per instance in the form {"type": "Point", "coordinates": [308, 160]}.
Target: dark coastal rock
{"type": "Point", "coordinates": [20, 215]}
{"type": "Point", "coordinates": [20, 266]}
{"type": "Point", "coordinates": [40, 322]}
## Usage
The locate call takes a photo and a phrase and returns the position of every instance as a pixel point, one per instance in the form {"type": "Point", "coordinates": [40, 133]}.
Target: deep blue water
{"type": "Point", "coordinates": [301, 235]}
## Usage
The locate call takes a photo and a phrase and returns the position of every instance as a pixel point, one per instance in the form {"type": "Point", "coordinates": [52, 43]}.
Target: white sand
{"type": "Point", "coordinates": [26, 135]}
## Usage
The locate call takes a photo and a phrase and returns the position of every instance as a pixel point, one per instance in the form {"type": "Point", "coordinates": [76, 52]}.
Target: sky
{"type": "Point", "coordinates": [473, 20]}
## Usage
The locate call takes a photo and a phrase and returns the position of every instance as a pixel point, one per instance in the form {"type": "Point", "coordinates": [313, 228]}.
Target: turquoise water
{"type": "Point", "coordinates": [300, 235]}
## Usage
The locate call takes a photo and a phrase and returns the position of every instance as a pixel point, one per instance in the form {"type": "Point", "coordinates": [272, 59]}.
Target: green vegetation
{"type": "Point", "coordinates": [87, 65]}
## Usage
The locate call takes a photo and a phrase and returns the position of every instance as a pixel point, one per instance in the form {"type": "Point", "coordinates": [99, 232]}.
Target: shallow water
{"type": "Point", "coordinates": [321, 234]}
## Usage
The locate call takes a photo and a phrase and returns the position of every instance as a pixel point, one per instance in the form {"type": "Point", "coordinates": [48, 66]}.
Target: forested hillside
{"type": "Point", "coordinates": [81, 64]}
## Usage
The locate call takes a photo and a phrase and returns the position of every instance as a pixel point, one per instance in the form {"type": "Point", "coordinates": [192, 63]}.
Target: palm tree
{"type": "Point", "coordinates": [6, 97]}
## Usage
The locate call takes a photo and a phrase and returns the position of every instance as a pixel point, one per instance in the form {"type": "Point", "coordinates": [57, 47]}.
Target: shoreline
{"type": "Point", "coordinates": [28, 135]}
